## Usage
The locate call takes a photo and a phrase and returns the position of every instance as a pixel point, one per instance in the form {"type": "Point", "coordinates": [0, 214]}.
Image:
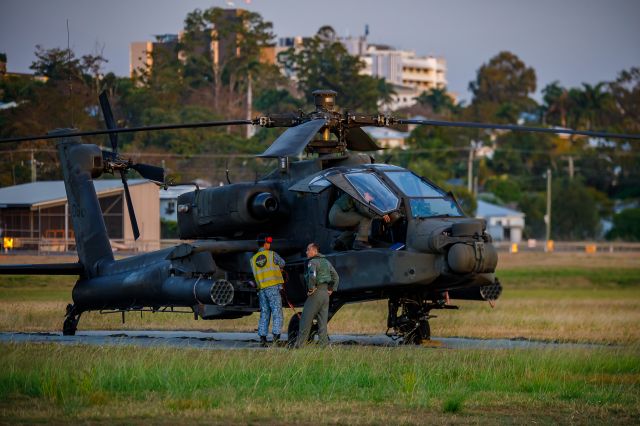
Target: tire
{"type": "Point", "coordinates": [421, 334]}
{"type": "Point", "coordinates": [294, 328]}
{"type": "Point", "coordinates": [69, 326]}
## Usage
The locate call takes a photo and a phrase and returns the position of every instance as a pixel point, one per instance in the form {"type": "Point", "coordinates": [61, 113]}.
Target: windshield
{"type": "Point", "coordinates": [374, 191]}
{"type": "Point", "coordinates": [430, 207]}
{"type": "Point", "coordinates": [412, 185]}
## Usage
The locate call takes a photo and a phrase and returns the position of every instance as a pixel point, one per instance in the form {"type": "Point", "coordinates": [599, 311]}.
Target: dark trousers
{"type": "Point", "coordinates": [316, 306]}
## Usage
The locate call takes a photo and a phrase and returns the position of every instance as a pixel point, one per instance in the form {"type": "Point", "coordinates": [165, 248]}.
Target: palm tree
{"type": "Point", "coordinates": [556, 104]}
{"type": "Point", "coordinates": [438, 99]}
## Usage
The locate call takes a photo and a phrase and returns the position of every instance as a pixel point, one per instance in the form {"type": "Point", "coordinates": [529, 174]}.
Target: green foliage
{"type": "Point", "coordinates": [502, 88]}
{"type": "Point", "coordinates": [168, 229]}
{"type": "Point", "coordinates": [534, 205]}
{"type": "Point", "coordinates": [505, 188]}
{"type": "Point", "coordinates": [81, 381]}
{"type": "Point", "coordinates": [454, 403]}
{"type": "Point", "coordinates": [276, 101]}
{"type": "Point", "coordinates": [626, 225]}
{"type": "Point", "coordinates": [574, 213]}
{"type": "Point", "coordinates": [324, 63]}
{"type": "Point", "coordinates": [439, 100]}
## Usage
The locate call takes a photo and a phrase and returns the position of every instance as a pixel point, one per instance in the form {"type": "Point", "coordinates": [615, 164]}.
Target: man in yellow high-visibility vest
{"type": "Point", "coordinates": [266, 266]}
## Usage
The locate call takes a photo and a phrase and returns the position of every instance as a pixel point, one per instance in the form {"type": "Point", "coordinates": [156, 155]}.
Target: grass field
{"type": "Point", "coordinates": [560, 297]}
{"type": "Point", "coordinates": [50, 383]}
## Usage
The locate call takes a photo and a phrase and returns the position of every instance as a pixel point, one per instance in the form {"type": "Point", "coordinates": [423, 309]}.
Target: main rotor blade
{"type": "Point", "coordinates": [517, 128]}
{"type": "Point", "coordinates": [150, 172]}
{"type": "Point", "coordinates": [132, 213]}
{"type": "Point", "coordinates": [108, 119]}
{"type": "Point", "coordinates": [359, 140]}
{"type": "Point", "coordinates": [130, 130]}
{"type": "Point", "coordinates": [293, 141]}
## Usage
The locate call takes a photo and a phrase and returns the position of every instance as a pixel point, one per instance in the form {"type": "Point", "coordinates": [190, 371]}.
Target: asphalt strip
{"type": "Point", "coordinates": [221, 340]}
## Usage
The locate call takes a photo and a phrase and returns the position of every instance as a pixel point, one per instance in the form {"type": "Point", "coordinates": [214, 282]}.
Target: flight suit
{"type": "Point", "coordinates": [266, 265]}
{"type": "Point", "coordinates": [321, 277]}
{"type": "Point", "coordinates": [345, 214]}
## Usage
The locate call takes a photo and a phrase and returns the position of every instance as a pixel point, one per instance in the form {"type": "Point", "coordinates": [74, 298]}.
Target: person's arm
{"type": "Point", "coordinates": [278, 260]}
{"type": "Point", "coordinates": [312, 276]}
{"type": "Point", "coordinates": [335, 278]}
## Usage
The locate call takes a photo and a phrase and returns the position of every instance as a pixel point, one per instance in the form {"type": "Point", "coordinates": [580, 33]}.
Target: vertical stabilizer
{"type": "Point", "coordinates": [81, 163]}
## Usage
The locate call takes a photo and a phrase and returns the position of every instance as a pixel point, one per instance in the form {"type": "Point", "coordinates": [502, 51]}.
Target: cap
{"type": "Point", "coordinates": [264, 238]}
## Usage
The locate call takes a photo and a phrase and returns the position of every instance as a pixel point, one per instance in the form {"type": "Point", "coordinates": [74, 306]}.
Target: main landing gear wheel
{"type": "Point", "coordinates": [70, 324]}
{"type": "Point", "coordinates": [409, 320]}
{"type": "Point", "coordinates": [420, 334]}
{"type": "Point", "coordinates": [294, 328]}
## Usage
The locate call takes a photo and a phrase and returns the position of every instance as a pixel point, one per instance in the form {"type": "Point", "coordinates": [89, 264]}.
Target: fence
{"type": "Point", "coordinates": [590, 247]}
{"type": "Point", "coordinates": [48, 246]}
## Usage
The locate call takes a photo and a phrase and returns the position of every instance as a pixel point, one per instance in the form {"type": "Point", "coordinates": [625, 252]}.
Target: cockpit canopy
{"type": "Point", "coordinates": [382, 187]}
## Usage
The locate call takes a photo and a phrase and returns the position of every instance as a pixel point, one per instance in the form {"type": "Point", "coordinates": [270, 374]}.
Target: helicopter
{"type": "Point", "coordinates": [430, 254]}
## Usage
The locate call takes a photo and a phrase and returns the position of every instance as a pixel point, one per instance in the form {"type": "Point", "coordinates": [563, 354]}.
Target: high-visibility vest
{"type": "Point", "coordinates": [265, 271]}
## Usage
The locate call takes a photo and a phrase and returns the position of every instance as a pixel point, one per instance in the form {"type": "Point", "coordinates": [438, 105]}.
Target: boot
{"type": "Point", "coordinates": [276, 340]}
{"type": "Point", "coordinates": [263, 341]}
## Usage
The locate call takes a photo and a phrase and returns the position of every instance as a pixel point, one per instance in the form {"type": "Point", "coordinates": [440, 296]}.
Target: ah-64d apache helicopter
{"type": "Point", "coordinates": [432, 253]}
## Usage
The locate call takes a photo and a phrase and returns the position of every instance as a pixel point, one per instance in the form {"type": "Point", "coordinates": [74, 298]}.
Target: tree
{"type": "Point", "coordinates": [324, 63]}
{"type": "Point", "coordinates": [439, 100]}
{"type": "Point", "coordinates": [502, 88]}
{"type": "Point", "coordinates": [626, 226]}
{"type": "Point", "coordinates": [574, 215]}
{"type": "Point", "coordinates": [556, 104]}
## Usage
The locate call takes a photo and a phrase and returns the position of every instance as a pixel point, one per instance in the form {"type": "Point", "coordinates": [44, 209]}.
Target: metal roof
{"type": "Point", "coordinates": [46, 192]}
{"type": "Point", "coordinates": [492, 210]}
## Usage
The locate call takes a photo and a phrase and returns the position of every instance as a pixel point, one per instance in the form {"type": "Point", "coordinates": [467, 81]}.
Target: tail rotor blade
{"type": "Point", "coordinates": [149, 172]}
{"type": "Point", "coordinates": [132, 213]}
{"type": "Point", "coordinates": [108, 119]}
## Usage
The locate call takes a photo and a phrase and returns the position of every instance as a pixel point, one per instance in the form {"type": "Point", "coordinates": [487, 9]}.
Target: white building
{"type": "Point", "coordinates": [386, 137]}
{"type": "Point", "coordinates": [503, 224]}
{"type": "Point", "coordinates": [169, 201]}
{"type": "Point", "coordinates": [410, 74]}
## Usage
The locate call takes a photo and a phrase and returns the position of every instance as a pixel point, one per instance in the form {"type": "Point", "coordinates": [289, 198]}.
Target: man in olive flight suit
{"type": "Point", "coordinates": [346, 213]}
{"type": "Point", "coordinates": [266, 266]}
{"type": "Point", "coordinates": [322, 280]}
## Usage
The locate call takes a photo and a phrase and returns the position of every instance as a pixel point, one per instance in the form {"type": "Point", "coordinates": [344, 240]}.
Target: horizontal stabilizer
{"type": "Point", "coordinates": [42, 269]}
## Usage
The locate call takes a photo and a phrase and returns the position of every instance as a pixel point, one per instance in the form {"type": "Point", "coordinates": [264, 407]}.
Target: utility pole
{"type": "Point", "coordinates": [548, 215]}
{"type": "Point", "coordinates": [571, 169]}
{"type": "Point", "coordinates": [250, 129]}
{"type": "Point", "coordinates": [470, 167]}
{"type": "Point", "coordinates": [33, 167]}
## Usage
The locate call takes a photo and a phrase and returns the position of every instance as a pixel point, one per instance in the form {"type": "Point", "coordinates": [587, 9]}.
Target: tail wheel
{"type": "Point", "coordinates": [70, 324]}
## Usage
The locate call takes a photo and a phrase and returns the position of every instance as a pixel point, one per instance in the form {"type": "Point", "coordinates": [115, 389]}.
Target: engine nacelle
{"type": "Point", "coordinates": [227, 210]}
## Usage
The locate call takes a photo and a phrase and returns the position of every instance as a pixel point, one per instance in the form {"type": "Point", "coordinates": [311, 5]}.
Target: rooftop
{"type": "Point", "coordinates": [47, 192]}
{"type": "Point", "coordinates": [492, 210]}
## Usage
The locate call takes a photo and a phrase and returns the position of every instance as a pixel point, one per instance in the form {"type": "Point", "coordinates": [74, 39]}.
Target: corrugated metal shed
{"type": "Point", "coordinates": [38, 194]}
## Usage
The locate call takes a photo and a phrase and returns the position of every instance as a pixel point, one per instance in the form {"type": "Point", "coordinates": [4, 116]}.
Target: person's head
{"type": "Point", "coordinates": [264, 241]}
{"type": "Point", "coordinates": [368, 197]}
{"type": "Point", "coordinates": [312, 250]}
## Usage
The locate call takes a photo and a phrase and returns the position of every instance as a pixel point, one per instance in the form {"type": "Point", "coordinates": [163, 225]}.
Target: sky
{"type": "Point", "coordinates": [572, 41]}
